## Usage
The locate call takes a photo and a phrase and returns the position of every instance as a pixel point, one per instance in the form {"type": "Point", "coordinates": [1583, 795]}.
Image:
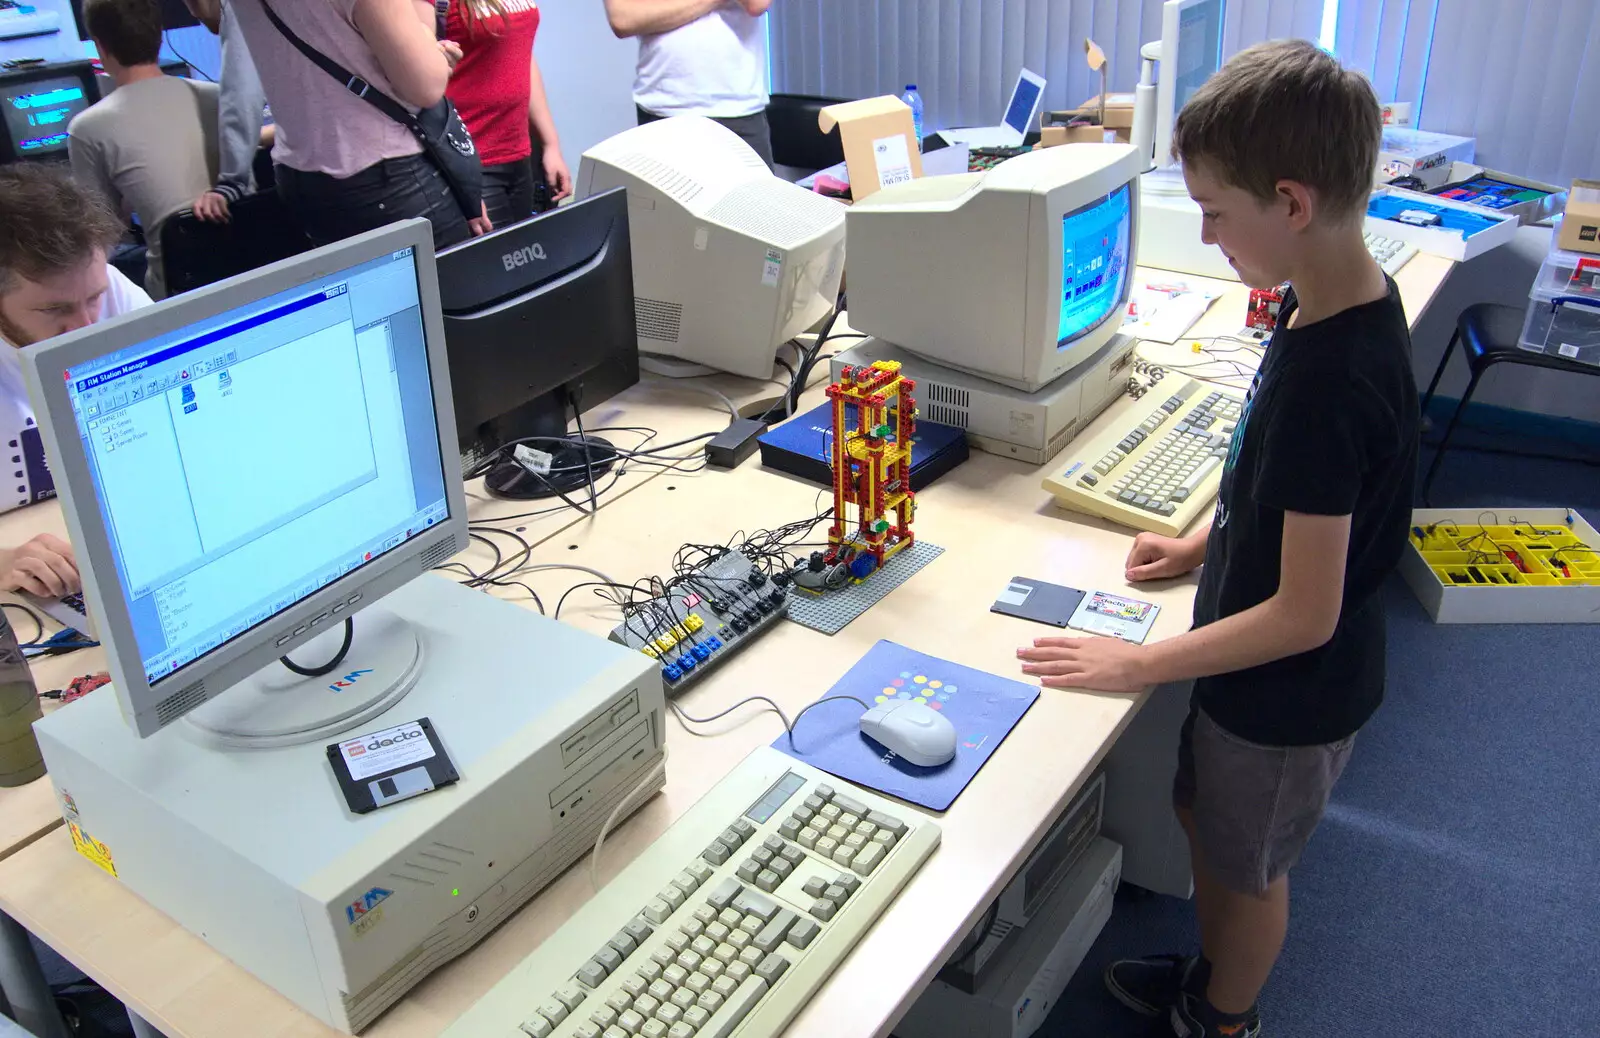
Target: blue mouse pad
{"type": "Point", "coordinates": [983, 708]}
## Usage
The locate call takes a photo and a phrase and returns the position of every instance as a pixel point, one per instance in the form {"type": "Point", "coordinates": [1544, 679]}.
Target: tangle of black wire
{"type": "Point", "coordinates": [806, 362]}
{"type": "Point", "coordinates": [503, 570]}
{"type": "Point", "coordinates": [656, 605]}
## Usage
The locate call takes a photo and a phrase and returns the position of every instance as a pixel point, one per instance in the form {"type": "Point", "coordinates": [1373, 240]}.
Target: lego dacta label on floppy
{"type": "Point", "coordinates": [385, 751]}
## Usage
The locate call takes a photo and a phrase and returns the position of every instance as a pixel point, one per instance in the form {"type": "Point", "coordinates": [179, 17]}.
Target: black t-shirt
{"type": "Point", "coordinates": [1330, 428]}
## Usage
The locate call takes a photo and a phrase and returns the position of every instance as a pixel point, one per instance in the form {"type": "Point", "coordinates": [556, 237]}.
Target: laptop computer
{"type": "Point", "coordinates": [1022, 115]}
{"type": "Point", "coordinates": [68, 611]}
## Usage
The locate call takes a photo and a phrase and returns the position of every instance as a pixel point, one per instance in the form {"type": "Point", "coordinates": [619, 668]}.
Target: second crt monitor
{"type": "Point", "coordinates": [1016, 275]}
{"type": "Point", "coordinates": [729, 261]}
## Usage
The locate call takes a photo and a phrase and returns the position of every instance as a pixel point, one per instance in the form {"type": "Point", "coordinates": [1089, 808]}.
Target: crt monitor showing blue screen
{"type": "Point", "coordinates": [1199, 50]}
{"type": "Point", "coordinates": [245, 462]}
{"type": "Point", "coordinates": [1022, 99]}
{"type": "Point", "coordinates": [1095, 251]}
{"type": "Point", "coordinates": [37, 114]}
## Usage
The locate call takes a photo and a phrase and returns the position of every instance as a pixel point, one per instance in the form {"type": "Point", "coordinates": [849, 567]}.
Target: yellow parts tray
{"type": "Point", "coordinates": [1542, 565]}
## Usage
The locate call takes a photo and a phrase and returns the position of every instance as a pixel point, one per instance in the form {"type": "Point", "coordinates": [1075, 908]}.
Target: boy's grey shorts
{"type": "Point", "coordinates": [1255, 807]}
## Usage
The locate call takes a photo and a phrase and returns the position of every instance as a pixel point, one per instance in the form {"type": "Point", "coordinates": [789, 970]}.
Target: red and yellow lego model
{"type": "Point", "coordinates": [1262, 313]}
{"type": "Point", "coordinates": [872, 465]}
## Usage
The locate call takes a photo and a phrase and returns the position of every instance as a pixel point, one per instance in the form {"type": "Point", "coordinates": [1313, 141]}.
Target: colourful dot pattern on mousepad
{"type": "Point", "coordinates": [982, 707]}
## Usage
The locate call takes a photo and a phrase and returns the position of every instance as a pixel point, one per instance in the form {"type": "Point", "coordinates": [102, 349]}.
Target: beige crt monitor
{"type": "Point", "coordinates": [1017, 275]}
{"type": "Point", "coordinates": [729, 261]}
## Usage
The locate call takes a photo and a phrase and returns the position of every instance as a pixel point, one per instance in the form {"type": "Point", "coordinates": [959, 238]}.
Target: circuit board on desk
{"type": "Point", "coordinates": [711, 614]}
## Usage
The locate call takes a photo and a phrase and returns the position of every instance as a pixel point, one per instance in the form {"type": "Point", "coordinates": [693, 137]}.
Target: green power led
{"type": "Point", "coordinates": [456, 892]}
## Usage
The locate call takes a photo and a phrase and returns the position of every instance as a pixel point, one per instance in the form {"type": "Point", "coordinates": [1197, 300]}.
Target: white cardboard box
{"type": "Point", "coordinates": [1500, 603]}
{"type": "Point", "coordinates": [1439, 241]}
{"type": "Point", "coordinates": [1417, 153]}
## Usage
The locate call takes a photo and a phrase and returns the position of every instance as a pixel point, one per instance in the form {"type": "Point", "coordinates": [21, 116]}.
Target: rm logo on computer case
{"type": "Point", "coordinates": [363, 913]}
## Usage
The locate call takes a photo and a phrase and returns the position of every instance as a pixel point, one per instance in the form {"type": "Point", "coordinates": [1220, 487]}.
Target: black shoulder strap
{"type": "Point", "coordinates": [441, 17]}
{"type": "Point", "coordinates": [352, 82]}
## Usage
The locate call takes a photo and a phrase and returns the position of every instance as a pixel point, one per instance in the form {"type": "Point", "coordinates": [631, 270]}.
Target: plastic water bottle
{"type": "Point", "coordinates": [914, 101]}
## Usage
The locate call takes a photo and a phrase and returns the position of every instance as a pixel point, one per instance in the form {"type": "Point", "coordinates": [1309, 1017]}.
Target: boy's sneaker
{"type": "Point", "coordinates": [1151, 985]}
{"type": "Point", "coordinates": [1193, 1017]}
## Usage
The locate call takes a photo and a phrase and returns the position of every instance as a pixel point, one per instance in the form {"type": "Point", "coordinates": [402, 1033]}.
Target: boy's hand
{"type": "Point", "coordinates": [1155, 557]}
{"type": "Point", "coordinates": [1105, 664]}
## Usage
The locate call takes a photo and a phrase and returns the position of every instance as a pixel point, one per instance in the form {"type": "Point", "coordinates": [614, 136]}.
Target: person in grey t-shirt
{"type": "Point", "coordinates": [241, 113]}
{"type": "Point", "coordinates": [151, 146]}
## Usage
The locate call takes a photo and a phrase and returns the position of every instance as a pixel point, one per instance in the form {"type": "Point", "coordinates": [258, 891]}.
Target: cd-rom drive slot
{"type": "Point", "coordinates": [621, 751]}
{"type": "Point", "coordinates": [595, 732]}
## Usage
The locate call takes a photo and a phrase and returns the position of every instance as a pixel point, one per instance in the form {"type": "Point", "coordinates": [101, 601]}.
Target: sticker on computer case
{"type": "Point", "coordinates": [366, 911]}
{"type": "Point", "coordinates": [91, 848]}
{"type": "Point", "coordinates": [69, 806]}
{"type": "Point", "coordinates": [771, 267]}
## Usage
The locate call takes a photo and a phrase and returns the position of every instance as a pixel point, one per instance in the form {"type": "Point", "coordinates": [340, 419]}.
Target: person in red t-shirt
{"type": "Point", "coordinates": [497, 88]}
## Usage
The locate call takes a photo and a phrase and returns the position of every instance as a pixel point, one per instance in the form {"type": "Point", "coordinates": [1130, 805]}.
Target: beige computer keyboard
{"type": "Point", "coordinates": [727, 924]}
{"type": "Point", "coordinates": [1163, 469]}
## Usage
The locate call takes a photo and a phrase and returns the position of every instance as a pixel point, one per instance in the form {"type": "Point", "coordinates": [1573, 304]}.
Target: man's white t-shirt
{"type": "Point", "coordinates": [30, 478]}
{"type": "Point", "coordinates": [715, 66]}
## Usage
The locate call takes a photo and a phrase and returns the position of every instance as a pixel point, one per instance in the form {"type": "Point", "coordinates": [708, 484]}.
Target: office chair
{"type": "Point", "coordinates": [195, 253]}
{"type": "Point", "coordinates": [1488, 334]}
{"type": "Point", "coordinates": [796, 140]}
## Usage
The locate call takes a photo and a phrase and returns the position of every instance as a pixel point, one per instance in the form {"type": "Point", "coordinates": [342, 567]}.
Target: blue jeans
{"type": "Point", "coordinates": [333, 208]}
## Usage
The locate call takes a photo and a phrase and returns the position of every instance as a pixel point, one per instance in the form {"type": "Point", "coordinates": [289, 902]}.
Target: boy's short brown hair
{"type": "Point", "coordinates": [129, 29]}
{"type": "Point", "coordinates": [1285, 110]}
{"type": "Point", "coordinates": [49, 223]}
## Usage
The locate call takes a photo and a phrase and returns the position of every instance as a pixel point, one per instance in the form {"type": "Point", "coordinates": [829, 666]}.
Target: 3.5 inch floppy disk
{"type": "Point", "coordinates": [382, 768]}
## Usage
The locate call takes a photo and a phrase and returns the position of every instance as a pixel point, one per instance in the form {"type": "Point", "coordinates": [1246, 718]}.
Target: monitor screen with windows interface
{"type": "Point", "coordinates": [1024, 99]}
{"type": "Point", "coordinates": [1095, 254]}
{"type": "Point", "coordinates": [245, 464]}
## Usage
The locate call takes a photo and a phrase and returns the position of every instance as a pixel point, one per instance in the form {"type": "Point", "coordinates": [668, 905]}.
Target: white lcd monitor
{"type": "Point", "coordinates": [1191, 52]}
{"type": "Point", "coordinates": [729, 260]}
{"type": "Point", "coordinates": [1017, 275]}
{"type": "Point", "coordinates": [245, 467]}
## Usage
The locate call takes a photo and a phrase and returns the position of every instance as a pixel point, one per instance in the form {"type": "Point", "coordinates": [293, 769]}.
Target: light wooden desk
{"type": "Point", "coordinates": [993, 520]}
{"type": "Point", "coordinates": [28, 812]}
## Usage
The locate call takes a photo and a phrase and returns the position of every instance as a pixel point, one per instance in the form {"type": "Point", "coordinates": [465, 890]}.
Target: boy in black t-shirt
{"type": "Point", "coordinates": [1287, 648]}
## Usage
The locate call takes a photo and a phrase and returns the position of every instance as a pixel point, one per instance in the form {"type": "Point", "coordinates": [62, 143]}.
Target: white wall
{"type": "Point", "coordinates": [588, 75]}
{"type": "Point", "coordinates": [1501, 275]}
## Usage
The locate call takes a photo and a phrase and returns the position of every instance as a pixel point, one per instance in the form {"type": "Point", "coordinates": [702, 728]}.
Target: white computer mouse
{"type": "Point", "coordinates": [918, 734]}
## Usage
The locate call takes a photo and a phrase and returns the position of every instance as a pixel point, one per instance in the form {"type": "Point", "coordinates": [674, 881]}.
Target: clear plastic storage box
{"type": "Point", "coordinates": [1563, 317]}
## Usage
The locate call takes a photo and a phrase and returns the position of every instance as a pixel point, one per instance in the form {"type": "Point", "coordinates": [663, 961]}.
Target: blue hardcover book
{"type": "Point", "coordinates": [803, 446]}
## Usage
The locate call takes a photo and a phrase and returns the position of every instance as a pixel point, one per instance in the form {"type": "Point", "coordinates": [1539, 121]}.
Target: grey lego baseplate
{"type": "Point", "coordinates": [832, 611]}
